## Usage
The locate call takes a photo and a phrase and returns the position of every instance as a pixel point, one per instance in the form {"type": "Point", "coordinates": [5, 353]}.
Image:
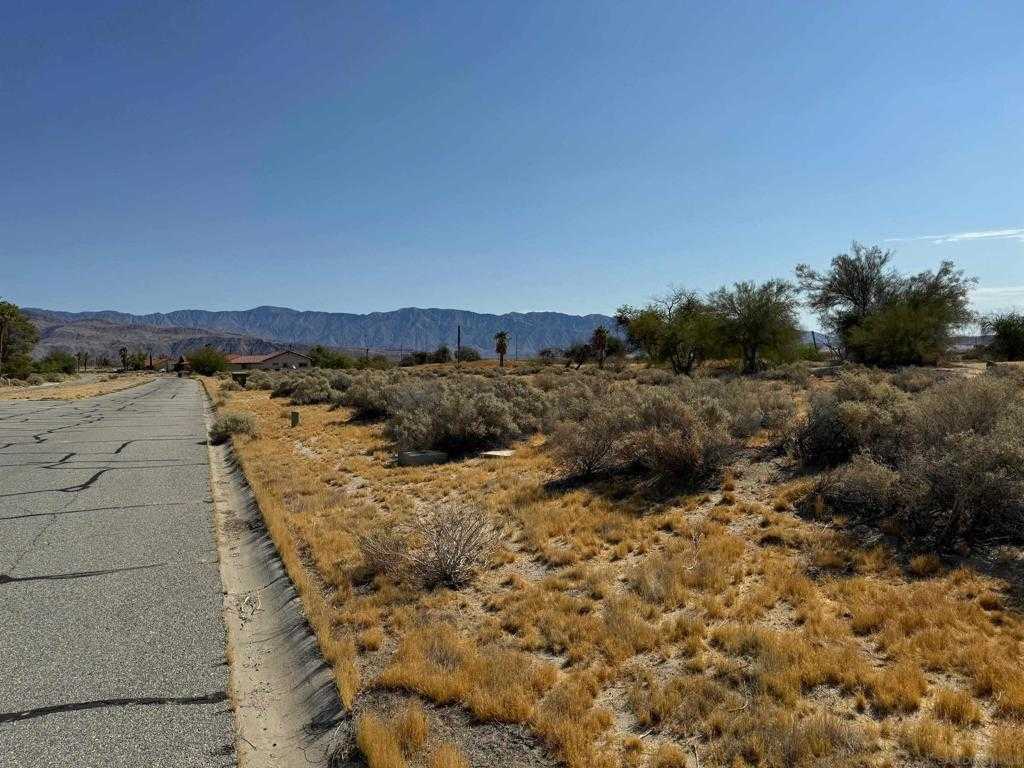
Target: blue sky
{"type": "Point", "coordinates": [498, 156]}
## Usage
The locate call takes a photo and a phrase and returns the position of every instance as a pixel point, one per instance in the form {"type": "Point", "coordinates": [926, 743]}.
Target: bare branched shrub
{"type": "Point", "coordinates": [455, 541]}
{"type": "Point", "coordinates": [384, 551]}
{"type": "Point", "coordinates": [444, 547]}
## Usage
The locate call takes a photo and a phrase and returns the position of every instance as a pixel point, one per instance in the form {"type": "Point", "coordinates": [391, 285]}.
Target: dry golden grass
{"type": "Point", "coordinates": [1006, 748]}
{"type": "Point", "coordinates": [668, 756]}
{"type": "Point", "coordinates": [937, 742]}
{"type": "Point", "coordinates": [378, 743]}
{"type": "Point", "coordinates": [957, 707]}
{"type": "Point", "coordinates": [448, 756]}
{"type": "Point", "coordinates": [761, 637]}
{"type": "Point", "coordinates": [74, 390]}
{"type": "Point", "coordinates": [410, 726]}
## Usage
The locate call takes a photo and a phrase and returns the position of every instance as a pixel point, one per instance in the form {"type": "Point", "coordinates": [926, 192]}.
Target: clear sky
{"type": "Point", "coordinates": [512, 156]}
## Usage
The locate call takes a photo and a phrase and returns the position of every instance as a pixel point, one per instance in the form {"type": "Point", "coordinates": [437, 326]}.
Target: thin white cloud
{"type": "Point", "coordinates": [959, 237]}
{"type": "Point", "coordinates": [1003, 290]}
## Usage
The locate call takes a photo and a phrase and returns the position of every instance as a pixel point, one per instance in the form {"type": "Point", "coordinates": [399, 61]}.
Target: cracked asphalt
{"type": "Point", "coordinates": [111, 635]}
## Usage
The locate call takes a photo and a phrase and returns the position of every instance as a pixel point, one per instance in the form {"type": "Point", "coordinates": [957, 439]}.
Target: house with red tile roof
{"type": "Point", "coordinates": [275, 361]}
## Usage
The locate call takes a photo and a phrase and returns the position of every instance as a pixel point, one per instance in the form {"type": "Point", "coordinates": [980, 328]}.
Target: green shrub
{"type": "Point", "coordinates": [207, 361]}
{"type": "Point", "coordinates": [231, 424]}
{"type": "Point", "coordinates": [1008, 330]}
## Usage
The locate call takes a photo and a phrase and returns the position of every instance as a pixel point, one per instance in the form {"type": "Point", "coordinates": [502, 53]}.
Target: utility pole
{"type": "Point", "coordinates": [458, 349]}
{"type": "Point", "coordinates": [515, 344]}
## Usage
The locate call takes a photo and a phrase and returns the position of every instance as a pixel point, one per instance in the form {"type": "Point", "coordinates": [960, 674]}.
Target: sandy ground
{"type": "Point", "coordinates": [84, 386]}
{"type": "Point", "coordinates": [286, 704]}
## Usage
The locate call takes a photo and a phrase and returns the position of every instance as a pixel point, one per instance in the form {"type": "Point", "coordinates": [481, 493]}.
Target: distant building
{"type": "Point", "coordinates": [275, 361]}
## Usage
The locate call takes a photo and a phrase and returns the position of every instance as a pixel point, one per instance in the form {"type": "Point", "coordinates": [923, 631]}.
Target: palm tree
{"type": "Point", "coordinates": [501, 346]}
{"type": "Point", "coordinates": [599, 343]}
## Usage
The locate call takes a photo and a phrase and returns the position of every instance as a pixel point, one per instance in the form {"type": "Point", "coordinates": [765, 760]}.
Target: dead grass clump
{"type": "Point", "coordinates": [447, 755]}
{"type": "Point", "coordinates": [768, 736]}
{"type": "Point", "coordinates": [684, 702]}
{"type": "Point", "coordinates": [898, 688]}
{"type": "Point", "coordinates": [378, 743]}
{"type": "Point", "coordinates": [1006, 747]}
{"type": "Point", "coordinates": [934, 741]}
{"type": "Point", "coordinates": [957, 707]}
{"type": "Point", "coordinates": [924, 565]}
{"type": "Point", "coordinates": [493, 683]}
{"type": "Point", "coordinates": [568, 721]}
{"type": "Point", "coordinates": [668, 756]}
{"type": "Point", "coordinates": [410, 725]}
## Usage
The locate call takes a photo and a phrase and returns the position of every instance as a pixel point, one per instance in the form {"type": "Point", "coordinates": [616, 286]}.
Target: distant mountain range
{"type": "Point", "coordinates": [266, 328]}
{"type": "Point", "coordinates": [103, 338]}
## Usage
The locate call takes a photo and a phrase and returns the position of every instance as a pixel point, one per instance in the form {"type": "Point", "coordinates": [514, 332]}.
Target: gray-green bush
{"type": "Point", "coordinates": [957, 473]}
{"type": "Point", "coordinates": [650, 430]}
{"type": "Point", "coordinates": [230, 424]}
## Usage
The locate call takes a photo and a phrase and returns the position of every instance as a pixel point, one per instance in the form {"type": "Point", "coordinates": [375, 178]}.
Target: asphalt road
{"type": "Point", "coordinates": [111, 633]}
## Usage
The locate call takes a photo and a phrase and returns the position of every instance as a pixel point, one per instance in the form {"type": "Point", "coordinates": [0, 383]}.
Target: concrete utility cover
{"type": "Point", "coordinates": [506, 454]}
{"type": "Point", "coordinates": [421, 458]}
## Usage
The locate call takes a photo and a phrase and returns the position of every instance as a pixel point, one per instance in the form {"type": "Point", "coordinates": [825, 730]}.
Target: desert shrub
{"type": "Point", "coordinates": [650, 430]}
{"type": "Point", "coordinates": [231, 424]}
{"type": "Point", "coordinates": [310, 391]}
{"type": "Point", "coordinates": [798, 373]}
{"type": "Point", "coordinates": [1008, 332]}
{"type": "Point", "coordinates": [456, 540]}
{"type": "Point", "coordinates": [913, 379]}
{"type": "Point", "coordinates": [285, 385]}
{"type": "Point", "coordinates": [260, 380]}
{"type": "Point", "coordinates": [444, 547]}
{"type": "Point", "coordinates": [958, 470]}
{"type": "Point", "coordinates": [230, 385]}
{"type": "Point", "coordinates": [340, 381]}
{"type": "Point", "coordinates": [207, 361]}
{"type": "Point", "coordinates": [959, 405]}
{"type": "Point", "coordinates": [463, 413]}
{"type": "Point", "coordinates": [654, 376]}
{"type": "Point", "coordinates": [367, 395]}
{"type": "Point", "coordinates": [863, 487]}
{"type": "Point", "coordinates": [860, 414]}
{"type": "Point", "coordinates": [744, 406]}
{"type": "Point", "coordinates": [34, 379]}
